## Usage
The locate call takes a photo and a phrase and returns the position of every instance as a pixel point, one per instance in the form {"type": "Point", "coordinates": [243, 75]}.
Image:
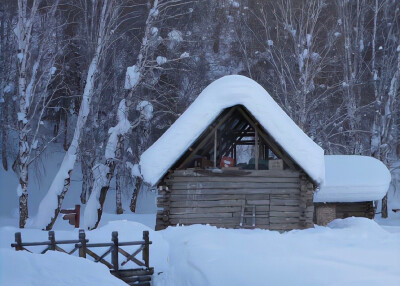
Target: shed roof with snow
{"type": "Point", "coordinates": [221, 94]}
{"type": "Point", "coordinates": [353, 178]}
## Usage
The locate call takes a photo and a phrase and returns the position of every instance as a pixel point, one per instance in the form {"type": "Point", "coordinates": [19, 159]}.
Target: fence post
{"type": "Point", "coordinates": [114, 252]}
{"type": "Point", "coordinates": [52, 239]}
{"type": "Point", "coordinates": [18, 240]}
{"type": "Point", "coordinates": [82, 240]}
{"type": "Point", "coordinates": [146, 251]}
{"type": "Point", "coordinates": [77, 215]}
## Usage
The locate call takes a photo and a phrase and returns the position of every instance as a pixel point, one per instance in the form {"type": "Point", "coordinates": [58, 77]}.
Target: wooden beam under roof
{"type": "Point", "coordinates": [208, 147]}
{"type": "Point", "coordinates": [207, 137]}
{"type": "Point", "coordinates": [274, 146]}
{"type": "Point", "coordinates": [230, 141]}
{"type": "Point", "coordinates": [244, 128]}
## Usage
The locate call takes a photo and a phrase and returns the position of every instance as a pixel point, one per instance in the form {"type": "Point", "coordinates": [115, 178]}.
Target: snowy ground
{"type": "Point", "coordinates": [354, 251]}
{"type": "Point", "coordinates": [348, 252]}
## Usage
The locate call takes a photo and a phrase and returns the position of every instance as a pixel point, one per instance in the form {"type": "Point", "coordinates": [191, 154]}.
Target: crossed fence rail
{"type": "Point", "coordinates": [140, 275]}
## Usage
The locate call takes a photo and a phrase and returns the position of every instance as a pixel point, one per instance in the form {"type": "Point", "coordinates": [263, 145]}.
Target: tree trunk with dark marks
{"type": "Point", "coordinates": [135, 194]}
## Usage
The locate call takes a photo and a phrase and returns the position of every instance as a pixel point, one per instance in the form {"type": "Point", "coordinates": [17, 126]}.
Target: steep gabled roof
{"type": "Point", "coordinates": [223, 93]}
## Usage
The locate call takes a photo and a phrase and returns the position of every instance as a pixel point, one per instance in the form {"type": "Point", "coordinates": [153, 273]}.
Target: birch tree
{"type": "Point", "coordinates": [385, 75]}
{"type": "Point", "coordinates": [105, 172]}
{"type": "Point", "coordinates": [144, 73]}
{"type": "Point", "coordinates": [34, 71]}
{"type": "Point", "coordinates": [104, 14]}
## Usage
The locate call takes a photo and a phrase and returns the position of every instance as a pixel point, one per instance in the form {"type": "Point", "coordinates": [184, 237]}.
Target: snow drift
{"type": "Point", "coordinates": [352, 251]}
{"type": "Point", "coordinates": [54, 268]}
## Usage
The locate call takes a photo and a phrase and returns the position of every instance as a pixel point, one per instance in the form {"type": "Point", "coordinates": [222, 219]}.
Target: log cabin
{"type": "Point", "coordinates": [235, 159]}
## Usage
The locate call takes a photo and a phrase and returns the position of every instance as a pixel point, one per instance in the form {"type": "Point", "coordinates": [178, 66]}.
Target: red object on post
{"type": "Point", "coordinates": [227, 162]}
{"type": "Point", "coordinates": [72, 215]}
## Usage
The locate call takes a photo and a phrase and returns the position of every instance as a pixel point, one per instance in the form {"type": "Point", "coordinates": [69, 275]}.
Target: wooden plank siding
{"type": "Point", "coordinates": [283, 198]}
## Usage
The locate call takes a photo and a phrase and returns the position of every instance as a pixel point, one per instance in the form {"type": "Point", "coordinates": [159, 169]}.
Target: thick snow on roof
{"type": "Point", "coordinates": [352, 178]}
{"type": "Point", "coordinates": [226, 92]}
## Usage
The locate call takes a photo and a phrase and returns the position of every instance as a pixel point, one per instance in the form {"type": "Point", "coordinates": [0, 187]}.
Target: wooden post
{"type": "Point", "coordinates": [78, 215]}
{"type": "Point", "coordinates": [215, 148]}
{"type": "Point", "coordinates": [82, 240]}
{"type": "Point", "coordinates": [234, 153]}
{"type": "Point", "coordinates": [18, 240]}
{"type": "Point", "coordinates": [52, 239]}
{"type": "Point", "coordinates": [114, 252]}
{"type": "Point", "coordinates": [146, 250]}
{"type": "Point", "coordinates": [256, 150]}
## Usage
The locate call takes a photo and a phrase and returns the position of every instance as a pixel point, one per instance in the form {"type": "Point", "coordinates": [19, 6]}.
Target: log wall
{"type": "Point", "coordinates": [283, 198]}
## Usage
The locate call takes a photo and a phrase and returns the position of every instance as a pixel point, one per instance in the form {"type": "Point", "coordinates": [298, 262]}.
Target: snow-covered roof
{"type": "Point", "coordinates": [352, 178]}
{"type": "Point", "coordinates": [223, 93]}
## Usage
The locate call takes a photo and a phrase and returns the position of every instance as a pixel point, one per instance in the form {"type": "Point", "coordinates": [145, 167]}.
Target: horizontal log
{"type": "Point", "coordinates": [226, 172]}
{"type": "Point", "coordinates": [259, 209]}
{"type": "Point", "coordinates": [237, 226]}
{"type": "Point", "coordinates": [285, 202]}
{"type": "Point", "coordinates": [283, 219]}
{"type": "Point", "coordinates": [285, 208]}
{"type": "Point", "coordinates": [258, 202]}
{"type": "Point", "coordinates": [206, 204]}
{"type": "Point", "coordinates": [215, 220]}
{"type": "Point", "coordinates": [208, 220]}
{"type": "Point", "coordinates": [200, 215]}
{"type": "Point", "coordinates": [132, 272]}
{"type": "Point", "coordinates": [207, 197]}
{"type": "Point", "coordinates": [288, 214]}
{"type": "Point", "coordinates": [258, 214]}
{"type": "Point", "coordinates": [284, 214]}
{"type": "Point", "coordinates": [236, 179]}
{"type": "Point", "coordinates": [284, 226]}
{"type": "Point", "coordinates": [228, 191]}
{"type": "Point", "coordinates": [231, 185]}
{"type": "Point", "coordinates": [204, 210]}
{"type": "Point", "coordinates": [283, 196]}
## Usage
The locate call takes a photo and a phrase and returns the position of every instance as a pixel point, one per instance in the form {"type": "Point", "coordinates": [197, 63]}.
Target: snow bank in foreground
{"type": "Point", "coordinates": [353, 251]}
{"type": "Point", "coordinates": [54, 268]}
{"type": "Point", "coordinates": [223, 93]}
{"type": "Point", "coordinates": [353, 178]}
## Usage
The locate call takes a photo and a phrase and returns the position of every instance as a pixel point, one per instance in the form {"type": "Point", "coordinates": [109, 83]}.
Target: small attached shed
{"type": "Point", "coordinates": [195, 163]}
{"type": "Point", "coordinates": [351, 187]}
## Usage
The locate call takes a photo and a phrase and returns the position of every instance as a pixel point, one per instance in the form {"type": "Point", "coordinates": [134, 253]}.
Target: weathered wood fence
{"type": "Point", "coordinates": [140, 275]}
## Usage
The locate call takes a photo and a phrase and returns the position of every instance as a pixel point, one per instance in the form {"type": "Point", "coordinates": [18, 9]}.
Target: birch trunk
{"type": "Point", "coordinates": [51, 204]}
{"type": "Point", "coordinates": [117, 133]}
{"type": "Point", "coordinates": [118, 194]}
{"type": "Point", "coordinates": [135, 194]}
{"type": "Point", "coordinates": [87, 177]}
{"type": "Point", "coordinates": [102, 179]}
{"type": "Point", "coordinates": [384, 74]}
{"type": "Point", "coordinates": [23, 33]}
{"type": "Point", "coordinates": [118, 177]}
{"type": "Point", "coordinates": [388, 121]}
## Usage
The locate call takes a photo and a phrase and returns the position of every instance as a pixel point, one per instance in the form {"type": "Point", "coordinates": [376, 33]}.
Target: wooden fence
{"type": "Point", "coordinates": [140, 275]}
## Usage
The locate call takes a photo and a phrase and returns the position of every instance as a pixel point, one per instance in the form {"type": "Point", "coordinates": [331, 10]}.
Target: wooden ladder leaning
{"type": "Point", "coordinates": [248, 211]}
